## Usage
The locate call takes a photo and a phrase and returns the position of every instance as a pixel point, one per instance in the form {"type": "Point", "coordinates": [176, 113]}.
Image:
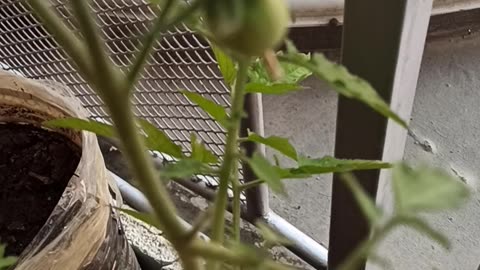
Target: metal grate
{"type": "Point", "coordinates": [180, 61]}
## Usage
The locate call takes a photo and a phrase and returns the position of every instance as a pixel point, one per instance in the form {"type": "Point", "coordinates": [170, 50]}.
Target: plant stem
{"type": "Point", "coordinates": [103, 66]}
{"type": "Point", "coordinates": [243, 259]}
{"type": "Point", "coordinates": [64, 36]}
{"type": "Point", "coordinates": [159, 25]}
{"type": "Point", "coordinates": [251, 184]}
{"type": "Point", "coordinates": [143, 170]}
{"type": "Point", "coordinates": [121, 111]}
{"type": "Point", "coordinates": [231, 152]}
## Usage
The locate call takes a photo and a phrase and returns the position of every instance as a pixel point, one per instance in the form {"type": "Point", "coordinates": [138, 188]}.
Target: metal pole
{"type": "Point", "coordinates": [257, 198]}
{"type": "Point", "coordinates": [376, 33]}
{"type": "Point", "coordinates": [301, 244]}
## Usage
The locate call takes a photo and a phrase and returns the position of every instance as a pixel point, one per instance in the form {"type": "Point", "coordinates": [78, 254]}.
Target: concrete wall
{"type": "Point", "coordinates": [446, 133]}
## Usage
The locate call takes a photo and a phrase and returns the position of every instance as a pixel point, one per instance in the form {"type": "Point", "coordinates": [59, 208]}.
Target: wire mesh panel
{"type": "Point", "coordinates": [180, 61]}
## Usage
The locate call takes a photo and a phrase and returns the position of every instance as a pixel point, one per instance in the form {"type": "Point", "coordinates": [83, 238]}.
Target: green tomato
{"type": "Point", "coordinates": [248, 27]}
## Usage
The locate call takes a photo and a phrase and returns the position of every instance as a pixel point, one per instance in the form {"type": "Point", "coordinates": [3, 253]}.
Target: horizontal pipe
{"type": "Point", "coordinates": [135, 199]}
{"type": "Point", "coordinates": [301, 244]}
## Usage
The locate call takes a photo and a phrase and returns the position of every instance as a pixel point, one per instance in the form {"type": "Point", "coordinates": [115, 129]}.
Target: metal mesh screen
{"type": "Point", "coordinates": [180, 61]}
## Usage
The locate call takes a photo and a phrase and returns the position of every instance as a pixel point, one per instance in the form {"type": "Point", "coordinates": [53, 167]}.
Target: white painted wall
{"type": "Point", "coordinates": [446, 116]}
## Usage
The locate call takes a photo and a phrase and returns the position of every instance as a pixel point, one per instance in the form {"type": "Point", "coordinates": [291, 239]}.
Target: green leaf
{"type": "Point", "coordinates": [280, 144]}
{"type": "Point", "coordinates": [5, 261]}
{"type": "Point", "coordinates": [426, 189]}
{"type": "Point", "coordinates": [270, 237]}
{"type": "Point", "coordinates": [329, 164]}
{"type": "Point", "coordinates": [425, 229]}
{"type": "Point", "coordinates": [366, 204]}
{"type": "Point", "coordinates": [159, 141]}
{"type": "Point", "coordinates": [144, 217]}
{"type": "Point", "coordinates": [216, 111]}
{"type": "Point", "coordinates": [200, 152]}
{"type": "Point", "coordinates": [294, 74]}
{"type": "Point", "coordinates": [225, 64]}
{"type": "Point", "coordinates": [184, 168]}
{"type": "Point", "coordinates": [343, 82]}
{"type": "Point", "coordinates": [271, 89]}
{"type": "Point", "coordinates": [82, 124]}
{"type": "Point", "coordinates": [266, 172]}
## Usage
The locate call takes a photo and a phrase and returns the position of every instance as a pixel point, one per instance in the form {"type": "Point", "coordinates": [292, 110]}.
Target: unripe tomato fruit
{"type": "Point", "coordinates": [250, 27]}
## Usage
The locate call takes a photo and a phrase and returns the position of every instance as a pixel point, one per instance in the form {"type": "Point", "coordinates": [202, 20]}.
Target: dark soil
{"type": "Point", "coordinates": [35, 167]}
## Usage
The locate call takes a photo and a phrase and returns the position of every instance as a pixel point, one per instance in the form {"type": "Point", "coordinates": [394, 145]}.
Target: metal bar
{"type": "Point", "coordinates": [301, 244]}
{"type": "Point", "coordinates": [257, 198]}
{"type": "Point", "coordinates": [135, 199]}
{"type": "Point", "coordinates": [376, 32]}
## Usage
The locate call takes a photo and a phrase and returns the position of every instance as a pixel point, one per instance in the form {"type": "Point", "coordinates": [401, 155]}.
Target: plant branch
{"type": "Point", "coordinates": [105, 69]}
{"type": "Point", "coordinates": [231, 152]}
{"type": "Point", "coordinates": [159, 25]}
{"type": "Point", "coordinates": [219, 253]}
{"type": "Point", "coordinates": [121, 111]}
{"type": "Point", "coordinates": [251, 184]}
{"type": "Point", "coordinates": [64, 36]}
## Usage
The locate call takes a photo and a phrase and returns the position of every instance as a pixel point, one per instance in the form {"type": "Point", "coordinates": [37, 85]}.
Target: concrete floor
{"type": "Point", "coordinates": [445, 114]}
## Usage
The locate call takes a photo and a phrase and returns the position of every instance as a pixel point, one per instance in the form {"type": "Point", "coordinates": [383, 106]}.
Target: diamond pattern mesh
{"type": "Point", "coordinates": [180, 61]}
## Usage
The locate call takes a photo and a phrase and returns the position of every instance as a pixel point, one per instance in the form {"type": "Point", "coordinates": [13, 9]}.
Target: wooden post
{"type": "Point", "coordinates": [383, 43]}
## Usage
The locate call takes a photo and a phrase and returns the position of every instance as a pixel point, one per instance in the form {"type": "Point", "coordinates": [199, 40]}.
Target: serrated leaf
{"type": "Point", "coordinates": [366, 204]}
{"type": "Point", "coordinates": [280, 144]}
{"type": "Point", "coordinates": [216, 111]}
{"type": "Point", "coordinates": [343, 82]}
{"type": "Point", "coordinates": [200, 152]}
{"type": "Point", "coordinates": [184, 168]}
{"type": "Point", "coordinates": [82, 124]}
{"type": "Point", "coordinates": [266, 172]}
{"type": "Point", "coordinates": [425, 229]}
{"type": "Point", "coordinates": [329, 164]}
{"type": "Point", "coordinates": [144, 217]}
{"type": "Point", "coordinates": [225, 64]}
{"type": "Point", "coordinates": [426, 189]}
{"type": "Point", "coordinates": [271, 89]}
{"type": "Point", "coordinates": [294, 74]}
{"type": "Point", "coordinates": [157, 140]}
{"type": "Point", "coordinates": [270, 237]}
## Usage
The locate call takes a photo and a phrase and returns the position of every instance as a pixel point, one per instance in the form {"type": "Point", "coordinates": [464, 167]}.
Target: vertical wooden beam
{"type": "Point", "coordinates": [383, 43]}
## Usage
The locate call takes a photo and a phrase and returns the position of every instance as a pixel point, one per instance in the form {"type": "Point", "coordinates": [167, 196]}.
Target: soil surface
{"type": "Point", "coordinates": [35, 167]}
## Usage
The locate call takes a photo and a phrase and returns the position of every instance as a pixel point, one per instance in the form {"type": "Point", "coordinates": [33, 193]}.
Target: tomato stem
{"type": "Point", "coordinates": [230, 156]}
